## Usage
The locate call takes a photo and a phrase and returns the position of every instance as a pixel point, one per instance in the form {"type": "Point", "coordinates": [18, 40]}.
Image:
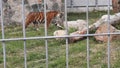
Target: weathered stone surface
{"type": "Point", "coordinates": [14, 3]}
{"type": "Point", "coordinates": [78, 24]}
{"type": "Point", "coordinates": [56, 4]}
{"type": "Point", "coordinates": [16, 6]}
{"type": "Point", "coordinates": [32, 2]}
{"type": "Point", "coordinates": [51, 4]}
{"type": "Point", "coordinates": [77, 38]}
{"type": "Point", "coordinates": [17, 16]}
{"type": "Point", "coordinates": [6, 12]}
{"type": "Point", "coordinates": [59, 33]}
{"type": "Point", "coordinates": [104, 29]}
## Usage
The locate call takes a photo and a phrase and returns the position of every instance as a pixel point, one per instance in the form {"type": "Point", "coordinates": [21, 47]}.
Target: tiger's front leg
{"type": "Point", "coordinates": [36, 25]}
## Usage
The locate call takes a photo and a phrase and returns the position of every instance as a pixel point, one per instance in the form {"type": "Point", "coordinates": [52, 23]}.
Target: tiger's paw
{"type": "Point", "coordinates": [37, 29]}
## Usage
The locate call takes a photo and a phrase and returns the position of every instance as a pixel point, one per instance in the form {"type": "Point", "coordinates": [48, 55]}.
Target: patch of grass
{"type": "Point", "coordinates": [117, 26]}
{"type": "Point", "coordinates": [58, 63]}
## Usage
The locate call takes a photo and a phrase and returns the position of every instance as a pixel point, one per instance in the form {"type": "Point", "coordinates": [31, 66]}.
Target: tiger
{"type": "Point", "coordinates": [38, 17]}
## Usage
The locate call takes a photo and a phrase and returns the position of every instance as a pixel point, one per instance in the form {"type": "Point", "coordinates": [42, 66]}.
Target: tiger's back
{"type": "Point", "coordinates": [32, 17]}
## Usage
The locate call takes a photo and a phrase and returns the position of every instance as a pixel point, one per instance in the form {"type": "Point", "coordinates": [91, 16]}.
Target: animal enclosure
{"type": "Point", "coordinates": [93, 44]}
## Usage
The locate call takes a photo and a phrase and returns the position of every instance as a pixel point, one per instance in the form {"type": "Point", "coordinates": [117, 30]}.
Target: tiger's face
{"type": "Point", "coordinates": [58, 20]}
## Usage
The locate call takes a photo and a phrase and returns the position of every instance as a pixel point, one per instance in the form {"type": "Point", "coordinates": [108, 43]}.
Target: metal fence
{"type": "Point", "coordinates": [46, 37]}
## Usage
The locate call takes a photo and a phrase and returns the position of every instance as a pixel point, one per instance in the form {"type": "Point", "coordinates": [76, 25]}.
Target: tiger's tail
{"type": "Point", "coordinates": [27, 22]}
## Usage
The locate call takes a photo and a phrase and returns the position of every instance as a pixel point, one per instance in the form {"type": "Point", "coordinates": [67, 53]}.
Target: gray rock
{"type": "Point", "coordinates": [16, 7]}
{"type": "Point", "coordinates": [78, 24]}
{"type": "Point", "coordinates": [104, 29]}
{"type": "Point", "coordinates": [59, 33]}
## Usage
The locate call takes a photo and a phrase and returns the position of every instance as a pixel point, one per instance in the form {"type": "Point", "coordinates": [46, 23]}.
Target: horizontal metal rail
{"type": "Point", "coordinates": [50, 37]}
{"type": "Point", "coordinates": [74, 6]}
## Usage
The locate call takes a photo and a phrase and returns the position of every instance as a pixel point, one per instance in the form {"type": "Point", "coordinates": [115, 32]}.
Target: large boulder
{"type": "Point", "coordinates": [59, 33]}
{"type": "Point", "coordinates": [104, 29]}
{"type": "Point", "coordinates": [78, 24]}
{"type": "Point", "coordinates": [77, 36]}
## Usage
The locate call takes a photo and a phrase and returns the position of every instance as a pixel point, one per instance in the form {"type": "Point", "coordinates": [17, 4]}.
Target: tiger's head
{"type": "Point", "coordinates": [58, 20]}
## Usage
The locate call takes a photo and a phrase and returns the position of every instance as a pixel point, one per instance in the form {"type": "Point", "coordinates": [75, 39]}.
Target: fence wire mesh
{"type": "Point", "coordinates": [28, 41]}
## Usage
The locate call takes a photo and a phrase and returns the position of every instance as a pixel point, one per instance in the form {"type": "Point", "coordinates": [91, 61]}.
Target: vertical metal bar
{"type": "Point", "coordinates": [87, 19]}
{"type": "Point", "coordinates": [96, 4]}
{"type": "Point", "coordinates": [71, 3]}
{"type": "Point", "coordinates": [46, 41]}
{"type": "Point", "coordinates": [66, 27]}
{"type": "Point", "coordinates": [108, 43]}
{"type": "Point", "coordinates": [4, 53]}
{"type": "Point", "coordinates": [24, 35]}
{"type": "Point", "coordinates": [46, 48]}
{"type": "Point", "coordinates": [3, 43]}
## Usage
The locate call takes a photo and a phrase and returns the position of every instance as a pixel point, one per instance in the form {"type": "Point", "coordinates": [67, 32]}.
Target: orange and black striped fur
{"type": "Point", "coordinates": [35, 17]}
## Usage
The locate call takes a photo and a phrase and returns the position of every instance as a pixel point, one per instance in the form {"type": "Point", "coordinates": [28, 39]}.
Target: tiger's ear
{"type": "Point", "coordinates": [61, 14]}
